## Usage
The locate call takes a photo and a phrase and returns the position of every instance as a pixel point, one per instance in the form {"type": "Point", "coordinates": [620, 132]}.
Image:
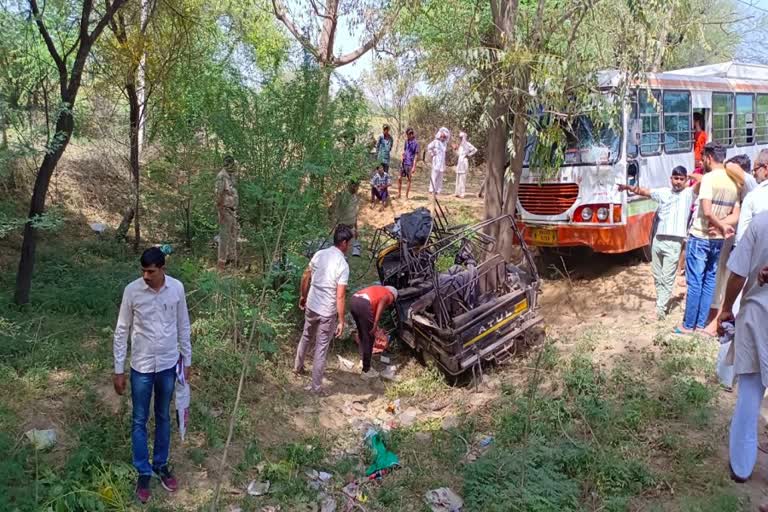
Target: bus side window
{"type": "Point", "coordinates": [761, 122]}
{"type": "Point", "coordinates": [745, 119]}
{"type": "Point", "coordinates": [649, 108]}
{"type": "Point", "coordinates": [677, 121]}
{"type": "Point", "coordinates": [722, 118]}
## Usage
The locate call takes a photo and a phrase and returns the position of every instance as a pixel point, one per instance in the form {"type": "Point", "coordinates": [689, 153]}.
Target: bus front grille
{"type": "Point", "coordinates": [548, 198]}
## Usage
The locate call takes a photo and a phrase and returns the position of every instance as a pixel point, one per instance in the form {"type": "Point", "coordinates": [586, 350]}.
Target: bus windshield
{"type": "Point", "coordinates": [587, 142]}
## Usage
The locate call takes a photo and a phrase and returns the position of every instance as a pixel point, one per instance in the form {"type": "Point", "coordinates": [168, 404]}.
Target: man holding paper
{"type": "Point", "coordinates": [154, 312]}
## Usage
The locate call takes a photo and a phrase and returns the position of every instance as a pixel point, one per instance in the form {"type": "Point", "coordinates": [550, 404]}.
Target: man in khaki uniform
{"type": "Point", "coordinates": [226, 203]}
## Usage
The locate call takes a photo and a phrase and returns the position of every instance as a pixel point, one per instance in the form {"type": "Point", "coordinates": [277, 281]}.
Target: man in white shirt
{"type": "Point", "coordinates": [154, 312]}
{"type": "Point", "coordinates": [757, 200]}
{"type": "Point", "coordinates": [323, 290]}
{"type": "Point", "coordinates": [674, 207]}
{"type": "Point", "coordinates": [437, 149]}
{"type": "Point", "coordinates": [750, 358]}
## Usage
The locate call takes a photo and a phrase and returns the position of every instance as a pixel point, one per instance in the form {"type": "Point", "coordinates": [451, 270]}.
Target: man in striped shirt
{"type": "Point", "coordinates": [674, 206]}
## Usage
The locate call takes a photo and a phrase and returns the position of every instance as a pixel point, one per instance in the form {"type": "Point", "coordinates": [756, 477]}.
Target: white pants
{"type": "Point", "coordinates": [436, 181]}
{"type": "Point", "coordinates": [461, 184]}
{"type": "Point", "coordinates": [743, 436]}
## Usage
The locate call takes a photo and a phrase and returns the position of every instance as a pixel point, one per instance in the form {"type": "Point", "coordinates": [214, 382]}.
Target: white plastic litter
{"type": "Point", "coordinates": [389, 372]}
{"type": "Point", "coordinates": [41, 439]}
{"type": "Point", "coordinates": [345, 363]}
{"type": "Point", "coordinates": [444, 500]}
{"type": "Point", "coordinates": [258, 488]}
{"type": "Point", "coordinates": [98, 227]}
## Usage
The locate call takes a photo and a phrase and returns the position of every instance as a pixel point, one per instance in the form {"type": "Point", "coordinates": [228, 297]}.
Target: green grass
{"type": "Point", "coordinates": [574, 436]}
{"type": "Point", "coordinates": [53, 352]}
{"type": "Point", "coordinates": [425, 384]}
{"type": "Point", "coordinates": [592, 444]}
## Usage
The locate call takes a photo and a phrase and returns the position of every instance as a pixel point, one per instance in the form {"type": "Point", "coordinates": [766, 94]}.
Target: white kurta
{"type": "Point", "coordinates": [437, 149]}
{"type": "Point", "coordinates": [751, 342]}
{"type": "Point", "coordinates": [466, 150]}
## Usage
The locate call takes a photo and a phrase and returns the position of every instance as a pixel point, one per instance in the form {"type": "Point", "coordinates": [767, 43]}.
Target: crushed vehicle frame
{"type": "Point", "coordinates": [476, 311]}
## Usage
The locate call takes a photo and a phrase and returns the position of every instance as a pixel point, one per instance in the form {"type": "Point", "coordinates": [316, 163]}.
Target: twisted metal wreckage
{"type": "Point", "coordinates": [477, 310]}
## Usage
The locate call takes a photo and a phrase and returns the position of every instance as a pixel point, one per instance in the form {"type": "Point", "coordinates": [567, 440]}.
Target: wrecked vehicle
{"type": "Point", "coordinates": [460, 303]}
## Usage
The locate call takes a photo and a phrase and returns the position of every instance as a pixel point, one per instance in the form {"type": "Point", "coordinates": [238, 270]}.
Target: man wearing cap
{"type": "Point", "coordinates": [384, 148]}
{"type": "Point", "coordinates": [366, 307]}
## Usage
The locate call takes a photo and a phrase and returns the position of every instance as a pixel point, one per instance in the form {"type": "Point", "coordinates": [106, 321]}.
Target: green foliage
{"type": "Point", "coordinates": [427, 383]}
{"type": "Point", "coordinates": [292, 152]}
{"type": "Point", "coordinates": [585, 445]}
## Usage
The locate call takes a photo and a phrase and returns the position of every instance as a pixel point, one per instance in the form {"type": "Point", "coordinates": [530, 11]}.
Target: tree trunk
{"type": "Point", "coordinates": [64, 127]}
{"type": "Point", "coordinates": [135, 143]}
{"type": "Point", "coordinates": [131, 214]}
{"type": "Point", "coordinates": [4, 127]}
{"type": "Point", "coordinates": [496, 150]}
{"type": "Point", "coordinates": [506, 244]}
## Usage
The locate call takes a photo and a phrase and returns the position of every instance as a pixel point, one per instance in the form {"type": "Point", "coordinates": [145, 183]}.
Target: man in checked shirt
{"type": "Point", "coordinates": [154, 312]}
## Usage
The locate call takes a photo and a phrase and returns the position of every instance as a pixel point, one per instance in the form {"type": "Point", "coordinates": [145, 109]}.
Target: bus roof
{"type": "Point", "coordinates": [724, 77]}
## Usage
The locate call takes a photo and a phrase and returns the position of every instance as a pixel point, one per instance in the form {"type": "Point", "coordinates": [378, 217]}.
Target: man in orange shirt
{"type": "Point", "coordinates": [366, 307]}
{"type": "Point", "coordinates": [699, 139]}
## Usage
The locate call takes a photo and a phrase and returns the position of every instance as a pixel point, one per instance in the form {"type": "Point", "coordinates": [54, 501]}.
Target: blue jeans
{"type": "Point", "coordinates": [142, 385]}
{"type": "Point", "coordinates": [701, 260]}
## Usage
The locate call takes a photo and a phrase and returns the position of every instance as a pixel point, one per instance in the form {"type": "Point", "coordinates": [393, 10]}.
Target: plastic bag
{"type": "Point", "coordinates": [183, 398]}
{"type": "Point", "coordinates": [725, 370]}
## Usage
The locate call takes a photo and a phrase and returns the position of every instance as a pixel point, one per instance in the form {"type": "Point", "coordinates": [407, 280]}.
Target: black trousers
{"type": "Point", "coordinates": [362, 313]}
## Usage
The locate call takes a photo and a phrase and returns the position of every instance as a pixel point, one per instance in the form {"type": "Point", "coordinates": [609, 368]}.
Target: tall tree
{"type": "Point", "coordinates": [534, 67]}
{"type": "Point", "coordinates": [328, 17]}
{"type": "Point", "coordinates": [90, 26]}
{"type": "Point", "coordinates": [127, 31]}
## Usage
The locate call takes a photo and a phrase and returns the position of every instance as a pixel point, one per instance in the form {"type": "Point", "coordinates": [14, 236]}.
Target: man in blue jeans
{"type": "Point", "coordinates": [154, 312]}
{"type": "Point", "coordinates": [718, 198]}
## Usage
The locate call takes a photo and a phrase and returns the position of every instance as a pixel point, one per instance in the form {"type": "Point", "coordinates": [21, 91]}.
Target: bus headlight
{"type": "Point", "coordinates": [602, 214]}
{"type": "Point", "coordinates": [586, 214]}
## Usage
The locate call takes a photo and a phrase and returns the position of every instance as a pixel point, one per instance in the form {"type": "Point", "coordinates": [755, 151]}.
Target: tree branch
{"type": "Point", "coordinates": [111, 10]}
{"type": "Point", "coordinates": [49, 44]}
{"type": "Point", "coordinates": [86, 42]}
{"type": "Point", "coordinates": [373, 41]}
{"type": "Point", "coordinates": [281, 15]}
{"type": "Point", "coordinates": [316, 8]}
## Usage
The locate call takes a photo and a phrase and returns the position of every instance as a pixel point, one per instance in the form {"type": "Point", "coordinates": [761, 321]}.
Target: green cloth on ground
{"type": "Point", "coordinates": [382, 457]}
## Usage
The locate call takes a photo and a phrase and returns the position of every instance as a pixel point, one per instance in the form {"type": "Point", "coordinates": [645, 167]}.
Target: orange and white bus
{"type": "Point", "coordinates": [581, 205]}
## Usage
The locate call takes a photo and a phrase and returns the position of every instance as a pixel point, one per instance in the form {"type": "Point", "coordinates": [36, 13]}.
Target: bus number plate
{"type": "Point", "coordinates": [544, 236]}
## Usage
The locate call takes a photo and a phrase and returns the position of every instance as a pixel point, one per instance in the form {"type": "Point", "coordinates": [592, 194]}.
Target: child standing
{"type": "Point", "coordinates": [674, 207]}
{"type": "Point", "coordinates": [410, 154]}
{"type": "Point", "coordinates": [384, 147]}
